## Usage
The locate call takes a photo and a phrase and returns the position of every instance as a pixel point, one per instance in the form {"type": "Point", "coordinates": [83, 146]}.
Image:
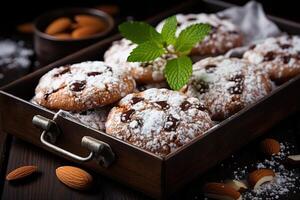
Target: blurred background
{"type": "Point", "coordinates": [16, 46]}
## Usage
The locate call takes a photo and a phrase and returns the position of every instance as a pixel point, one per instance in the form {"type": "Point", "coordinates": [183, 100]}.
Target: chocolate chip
{"type": "Point", "coordinates": [185, 105]}
{"type": "Point", "coordinates": [135, 100]}
{"type": "Point", "coordinates": [64, 71]}
{"type": "Point", "coordinates": [109, 69]}
{"type": "Point", "coordinates": [252, 46]}
{"type": "Point", "coordinates": [285, 46]}
{"type": "Point", "coordinates": [171, 124]}
{"type": "Point", "coordinates": [49, 93]}
{"type": "Point", "coordinates": [83, 113]}
{"type": "Point", "coordinates": [94, 73]}
{"type": "Point", "coordinates": [239, 84]}
{"type": "Point", "coordinates": [223, 17]}
{"type": "Point", "coordinates": [236, 77]}
{"type": "Point", "coordinates": [144, 64]}
{"type": "Point", "coordinates": [269, 56]}
{"type": "Point", "coordinates": [237, 89]}
{"type": "Point", "coordinates": [165, 149]}
{"type": "Point", "coordinates": [210, 68]}
{"type": "Point", "coordinates": [192, 19]}
{"type": "Point", "coordinates": [77, 86]}
{"type": "Point", "coordinates": [201, 86]}
{"type": "Point", "coordinates": [286, 59]}
{"type": "Point", "coordinates": [163, 104]}
{"type": "Point", "coordinates": [213, 29]}
{"type": "Point", "coordinates": [126, 116]}
{"type": "Point", "coordinates": [233, 32]}
{"type": "Point", "coordinates": [201, 107]}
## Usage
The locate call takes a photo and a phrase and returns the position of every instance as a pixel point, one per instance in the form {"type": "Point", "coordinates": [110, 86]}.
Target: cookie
{"type": "Point", "coordinates": [227, 85]}
{"type": "Point", "coordinates": [83, 86]}
{"type": "Point", "coordinates": [163, 84]}
{"type": "Point", "coordinates": [278, 56]}
{"type": "Point", "coordinates": [94, 118]}
{"type": "Point", "coordinates": [223, 36]}
{"type": "Point", "coordinates": [158, 120]}
{"type": "Point", "coordinates": [143, 73]}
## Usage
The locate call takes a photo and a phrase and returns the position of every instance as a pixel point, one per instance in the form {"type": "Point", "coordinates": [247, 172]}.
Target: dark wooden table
{"type": "Point", "coordinates": [45, 185]}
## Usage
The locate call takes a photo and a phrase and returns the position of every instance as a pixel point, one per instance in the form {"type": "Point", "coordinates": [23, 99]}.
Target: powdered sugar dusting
{"type": "Point", "coordinates": [278, 56]}
{"type": "Point", "coordinates": [158, 120]}
{"type": "Point", "coordinates": [83, 82]}
{"type": "Point", "coordinates": [223, 37]}
{"type": "Point", "coordinates": [118, 53]}
{"type": "Point", "coordinates": [227, 85]}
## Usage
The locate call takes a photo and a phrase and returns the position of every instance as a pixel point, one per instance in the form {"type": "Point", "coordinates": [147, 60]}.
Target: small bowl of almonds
{"type": "Point", "coordinates": [61, 32]}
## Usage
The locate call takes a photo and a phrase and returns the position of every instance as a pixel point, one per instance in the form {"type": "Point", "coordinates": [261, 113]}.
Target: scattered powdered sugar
{"type": "Point", "coordinates": [285, 182]}
{"type": "Point", "coordinates": [13, 55]}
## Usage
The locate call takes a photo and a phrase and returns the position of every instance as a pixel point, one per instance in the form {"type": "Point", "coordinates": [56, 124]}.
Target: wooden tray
{"type": "Point", "coordinates": [156, 176]}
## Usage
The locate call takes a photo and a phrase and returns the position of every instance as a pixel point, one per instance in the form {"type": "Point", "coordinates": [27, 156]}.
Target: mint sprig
{"type": "Point", "coordinates": [191, 36]}
{"type": "Point", "coordinates": [169, 29]}
{"type": "Point", "coordinates": [152, 45]}
{"type": "Point", "coordinates": [146, 51]}
{"type": "Point", "coordinates": [178, 71]}
{"type": "Point", "coordinates": [139, 32]}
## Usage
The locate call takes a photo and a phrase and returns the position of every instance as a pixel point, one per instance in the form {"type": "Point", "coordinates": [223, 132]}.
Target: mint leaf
{"type": "Point", "coordinates": [139, 32]}
{"type": "Point", "coordinates": [178, 72]}
{"type": "Point", "coordinates": [169, 29]}
{"type": "Point", "coordinates": [190, 36]}
{"type": "Point", "coordinates": [146, 51]}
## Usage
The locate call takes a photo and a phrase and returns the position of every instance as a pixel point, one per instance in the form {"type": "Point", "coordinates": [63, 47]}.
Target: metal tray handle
{"type": "Point", "coordinates": [100, 151]}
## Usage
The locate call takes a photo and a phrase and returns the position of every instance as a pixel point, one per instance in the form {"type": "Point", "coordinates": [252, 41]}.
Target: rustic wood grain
{"type": "Point", "coordinates": [45, 185]}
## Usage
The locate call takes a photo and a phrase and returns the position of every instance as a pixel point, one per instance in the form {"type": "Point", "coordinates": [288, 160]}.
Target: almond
{"type": "Point", "coordinates": [109, 9]}
{"type": "Point", "coordinates": [84, 32]}
{"type": "Point", "coordinates": [260, 176]}
{"type": "Point", "coordinates": [238, 185]}
{"type": "Point", "coordinates": [270, 147]}
{"type": "Point", "coordinates": [221, 191]}
{"type": "Point", "coordinates": [63, 36]}
{"type": "Point", "coordinates": [59, 25]}
{"type": "Point", "coordinates": [74, 177]}
{"type": "Point", "coordinates": [25, 28]}
{"type": "Point", "coordinates": [88, 20]}
{"type": "Point", "coordinates": [293, 159]}
{"type": "Point", "coordinates": [21, 172]}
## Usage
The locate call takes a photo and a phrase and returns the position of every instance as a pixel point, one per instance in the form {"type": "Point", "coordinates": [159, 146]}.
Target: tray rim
{"type": "Point", "coordinates": [114, 37]}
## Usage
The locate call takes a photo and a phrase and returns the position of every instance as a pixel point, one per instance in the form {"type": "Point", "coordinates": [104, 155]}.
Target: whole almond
{"type": "Point", "coordinates": [109, 9]}
{"type": "Point", "coordinates": [270, 147]}
{"type": "Point", "coordinates": [84, 32]}
{"type": "Point", "coordinates": [221, 191]}
{"type": "Point", "coordinates": [260, 176]}
{"type": "Point", "coordinates": [26, 28]}
{"type": "Point", "coordinates": [238, 185]}
{"type": "Point", "coordinates": [59, 25]}
{"type": "Point", "coordinates": [63, 36]}
{"type": "Point", "coordinates": [21, 172]}
{"type": "Point", "coordinates": [88, 20]}
{"type": "Point", "coordinates": [293, 160]}
{"type": "Point", "coordinates": [74, 177]}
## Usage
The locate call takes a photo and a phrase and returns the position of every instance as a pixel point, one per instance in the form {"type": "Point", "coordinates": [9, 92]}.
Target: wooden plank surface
{"type": "Point", "coordinates": [45, 185]}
